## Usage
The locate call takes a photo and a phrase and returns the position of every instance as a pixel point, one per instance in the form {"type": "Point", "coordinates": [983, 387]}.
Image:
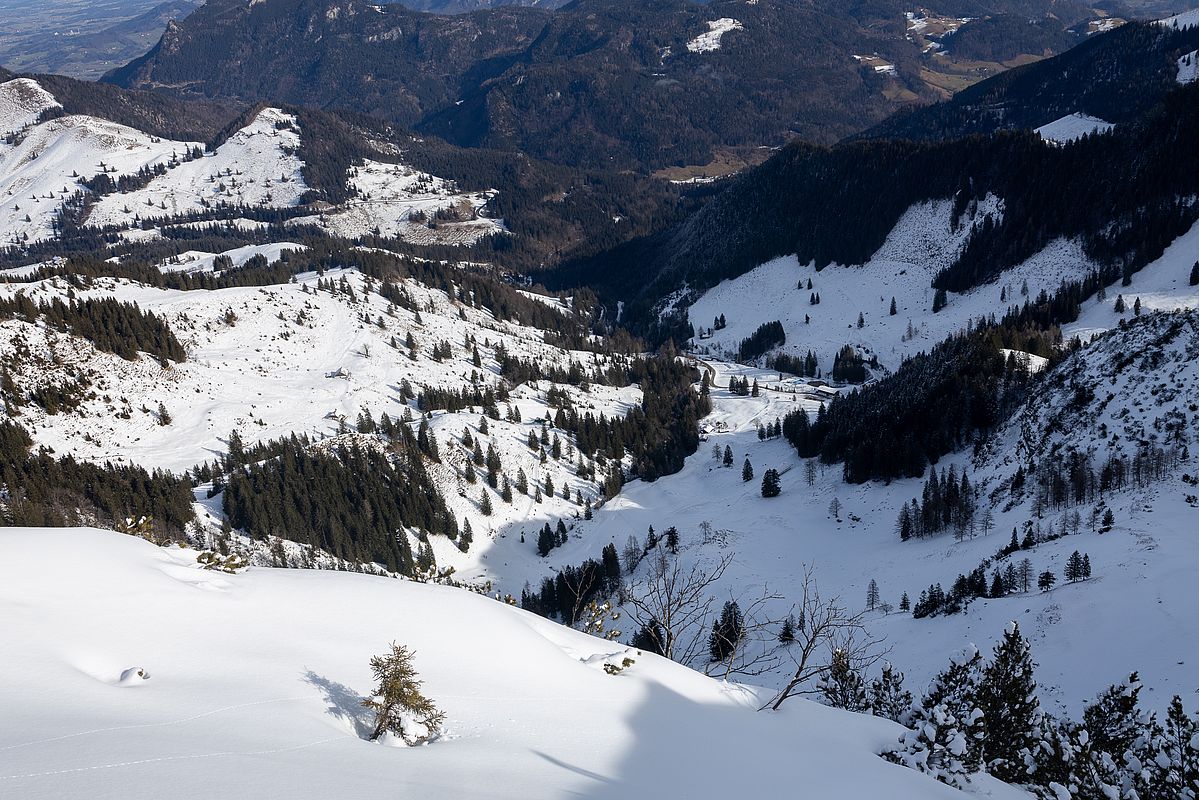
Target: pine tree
{"type": "Point", "coordinates": [1195, 274]}
{"type": "Point", "coordinates": [905, 603]}
{"type": "Point", "coordinates": [727, 632]}
{"type": "Point", "coordinates": [1119, 306]}
{"type": "Point", "coordinates": [1117, 742]}
{"type": "Point", "coordinates": [842, 685]}
{"type": "Point", "coordinates": [398, 694]}
{"type": "Point", "coordinates": [545, 541]}
{"type": "Point", "coordinates": [872, 598]}
{"type": "Point", "coordinates": [1046, 580]}
{"type": "Point", "coordinates": [770, 483]}
{"type": "Point", "coordinates": [747, 472]}
{"type": "Point", "coordinates": [1172, 768]}
{"type": "Point", "coordinates": [894, 310]}
{"type": "Point", "coordinates": [1086, 567]}
{"type": "Point", "coordinates": [787, 632]}
{"type": "Point", "coordinates": [650, 638]}
{"type": "Point", "coordinates": [485, 503]}
{"type": "Point", "coordinates": [888, 698]}
{"type": "Point", "coordinates": [1008, 699]}
{"type": "Point", "coordinates": [728, 456]}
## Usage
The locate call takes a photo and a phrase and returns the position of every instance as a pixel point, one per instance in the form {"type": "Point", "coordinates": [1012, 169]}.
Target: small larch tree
{"type": "Point", "coordinates": [398, 696]}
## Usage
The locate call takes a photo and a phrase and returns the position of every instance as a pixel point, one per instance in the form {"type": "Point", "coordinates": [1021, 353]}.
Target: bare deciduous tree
{"type": "Point", "coordinates": [677, 599]}
{"type": "Point", "coordinates": [825, 627]}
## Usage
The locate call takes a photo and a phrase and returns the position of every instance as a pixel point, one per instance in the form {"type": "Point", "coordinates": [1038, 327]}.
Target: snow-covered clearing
{"type": "Point", "coordinates": [1188, 68]}
{"type": "Point", "coordinates": [395, 200]}
{"type": "Point", "coordinates": [199, 261]}
{"type": "Point", "coordinates": [1139, 597]}
{"type": "Point", "coordinates": [1072, 127]}
{"type": "Point", "coordinates": [922, 243]}
{"type": "Point", "coordinates": [255, 682]}
{"type": "Point", "coordinates": [710, 41]}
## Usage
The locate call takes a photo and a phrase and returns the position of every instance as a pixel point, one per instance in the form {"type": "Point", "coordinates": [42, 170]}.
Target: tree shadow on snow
{"type": "Point", "coordinates": [344, 703]}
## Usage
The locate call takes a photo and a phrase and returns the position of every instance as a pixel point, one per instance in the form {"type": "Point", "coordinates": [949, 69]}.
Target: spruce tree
{"type": "Point", "coordinates": [1008, 699]}
{"type": "Point", "coordinates": [728, 456]}
{"type": "Point", "coordinates": [887, 696]}
{"type": "Point", "coordinates": [727, 632]}
{"type": "Point", "coordinates": [787, 632]}
{"type": "Point", "coordinates": [770, 483]}
{"type": "Point", "coordinates": [397, 695]}
{"type": "Point", "coordinates": [842, 685]}
{"type": "Point", "coordinates": [545, 541]}
{"type": "Point", "coordinates": [949, 725]}
{"type": "Point", "coordinates": [1195, 274]}
{"type": "Point", "coordinates": [747, 472]}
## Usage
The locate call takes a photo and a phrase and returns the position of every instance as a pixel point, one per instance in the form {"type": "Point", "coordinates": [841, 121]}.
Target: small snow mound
{"type": "Point", "coordinates": [133, 676]}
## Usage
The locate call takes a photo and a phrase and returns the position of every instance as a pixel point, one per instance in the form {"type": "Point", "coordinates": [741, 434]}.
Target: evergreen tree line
{"type": "Point", "coordinates": [806, 366]}
{"type": "Point", "coordinates": [767, 336]}
{"type": "Point", "coordinates": [352, 501]}
{"type": "Point", "coordinates": [660, 432]}
{"type": "Point", "coordinates": [1014, 578]}
{"type": "Point", "coordinates": [40, 490]}
{"type": "Point", "coordinates": [1071, 478]}
{"type": "Point", "coordinates": [115, 327]}
{"type": "Point", "coordinates": [946, 502]}
{"type": "Point", "coordinates": [850, 367]}
{"type": "Point", "coordinates": [935, 403]}
{"type": "Point", "coordinates": [566, 594]}
{"type": "Point", "coordinates": [985, 715]}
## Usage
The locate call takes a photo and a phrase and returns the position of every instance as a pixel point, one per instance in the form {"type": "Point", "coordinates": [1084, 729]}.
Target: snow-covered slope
{"type": "Point", "coordinates": [710, 41]}
{"type": "Point", "coordinates": [395, 200]}
{"type": "Point", "coordinates": [270, 361]}
{"type": "Point", "coordinates": [1071, 127]}
{"type": "Point", "coordinates": [255, 682]}
{"type": "Point", "coordinates": [22, 101]}
{"type": "Point", "coordinates": [257, 167]}
{"type": "Point", "coordinates": [922, 243]}
{"type": "Point", "coordinates": [43, 170]}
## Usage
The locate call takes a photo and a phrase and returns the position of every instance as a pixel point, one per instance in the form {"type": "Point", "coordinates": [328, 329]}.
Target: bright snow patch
{"type": "Point", "coordinates": [1184, 20]}
{"type": "Point", "coordinates": [717, 28]}
{"type": "Point", "coordinates": [257, 166]}
{"type": "Point", "coordinates": [1188, 67]}
{"type": "Point", "coordinates": [22, 101]}
{"type": "Point", "coordinates": [1072, 127]}
{"type": "Point", "coordinates": [197, 261]}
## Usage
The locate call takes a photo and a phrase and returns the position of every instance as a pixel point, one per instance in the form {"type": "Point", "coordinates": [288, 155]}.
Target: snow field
{"type": "Point", "coordinates": [255, 682]}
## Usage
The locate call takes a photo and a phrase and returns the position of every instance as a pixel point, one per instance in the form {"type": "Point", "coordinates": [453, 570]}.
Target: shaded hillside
{"type": "Point", "coordinates": [600, 83]}
{"type": "Point", "coordinates": [1117, 77]}
{"type": "Point", "coordinates": [838, 206]}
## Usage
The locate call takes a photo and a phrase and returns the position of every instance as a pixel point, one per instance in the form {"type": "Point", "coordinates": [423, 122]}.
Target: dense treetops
{"type": "Point", "coordinates": [111, 325]}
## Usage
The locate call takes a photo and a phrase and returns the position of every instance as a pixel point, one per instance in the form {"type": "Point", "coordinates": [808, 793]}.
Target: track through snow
{"type": "Point", "coordinates": [254, 692]}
